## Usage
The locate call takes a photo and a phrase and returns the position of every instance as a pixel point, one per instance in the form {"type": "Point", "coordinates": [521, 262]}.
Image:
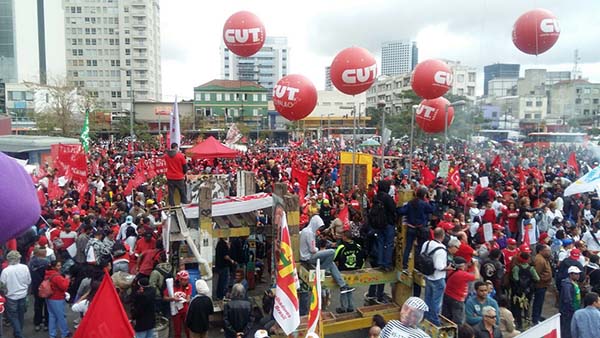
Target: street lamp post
{"type": "Point", "coordinates": [453, 104]}
{"type": "Point", "coordinates": [412, 135]}
{"type": "Point", "coordinates": [381, 106]}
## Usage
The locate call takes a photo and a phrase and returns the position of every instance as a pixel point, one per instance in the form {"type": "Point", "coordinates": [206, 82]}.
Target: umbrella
{"type": "Point", "coordinates": [370, 143]}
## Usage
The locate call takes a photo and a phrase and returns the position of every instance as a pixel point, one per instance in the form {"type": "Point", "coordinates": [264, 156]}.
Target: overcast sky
{"type": "Point", "coordinates": [475, 32]}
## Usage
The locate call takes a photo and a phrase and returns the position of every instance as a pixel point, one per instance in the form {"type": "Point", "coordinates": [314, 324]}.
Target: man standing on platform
{"type": "Point", "coordinates": [176, 169]}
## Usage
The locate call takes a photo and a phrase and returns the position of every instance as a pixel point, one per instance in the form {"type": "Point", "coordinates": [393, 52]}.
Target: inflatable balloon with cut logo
{"type": "Point", "coordinates": [431, 115]}
{"type": "Point", "coordinates": [536, 31]}
{"type": "Point", "coordinates": [19, 204]}
{"type": "Point", "coordinates": [294, 97]}
{"type": "Point", "coordinates": [244, 34]}
{"type": "Point", "coordinates": [431, 78]}
{"type": "Point", "coordinates": [353, 70]}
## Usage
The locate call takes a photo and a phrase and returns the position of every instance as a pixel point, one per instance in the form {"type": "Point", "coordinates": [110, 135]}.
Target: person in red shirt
{"type": "Point", "coordinates": [457, 288]}
{"type": "Point", "coordinates": [146, 243]}
{"type": "Point", "coordinates": [182, 292]}
{"type": "Point", "coordinates": [56, 301]}
{"type": "Point", "coordinates": [176, 169]}
{"type": "Point", "coordinates": [465, 250]}
{"type": "Point", "coordinates": [509, 252]}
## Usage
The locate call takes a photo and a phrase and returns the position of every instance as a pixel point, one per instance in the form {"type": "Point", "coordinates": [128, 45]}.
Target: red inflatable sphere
{"type": "Point", "coordinates": [431, 79]}
{"type": "Point", "coordinates": [353, 70]}
{"type": "Point", "coordinates": [244, 34]}
{"type": "Point", "coordinates": [294, 97]}
{"type": "Point", "coordinates": [431, 115]}
{"type": "Point", "coordinates": [536, 31]}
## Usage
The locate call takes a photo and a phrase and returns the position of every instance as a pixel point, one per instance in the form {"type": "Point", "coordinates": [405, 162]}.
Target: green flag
{"type": "Point", "coordinates": [85, 132]}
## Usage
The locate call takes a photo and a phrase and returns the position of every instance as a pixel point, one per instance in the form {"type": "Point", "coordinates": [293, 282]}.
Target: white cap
{"type": "Point", "coordinates": [574, 269]}
{"type": "Point", "coordinates": [261, 334]}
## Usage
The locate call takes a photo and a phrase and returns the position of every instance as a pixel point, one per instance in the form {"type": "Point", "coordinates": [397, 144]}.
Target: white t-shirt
{"type": "Point", "coordinates": [590, 242]}
{"type": "Point", "coordinates": [17, 280]}
{"type": "Point", "coordinates": [440, 259]}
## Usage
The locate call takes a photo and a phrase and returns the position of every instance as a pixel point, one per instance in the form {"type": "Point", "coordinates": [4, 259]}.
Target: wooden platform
{"type": "Point", "coordinates": [359, 319]}
{"type": "Point", "coordinates": [361, 277]}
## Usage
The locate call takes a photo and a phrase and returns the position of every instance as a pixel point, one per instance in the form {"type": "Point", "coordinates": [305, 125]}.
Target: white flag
{"type": "Point", "coordinates": [549, 328]}
{"type": "Point", "coordinates": [174, 127]}
{"type": "Point", "coordinates": [586, 183]}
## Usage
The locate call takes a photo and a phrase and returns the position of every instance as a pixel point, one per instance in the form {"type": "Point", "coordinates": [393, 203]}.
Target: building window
{"type": "Point", "coordinates": [527, 116]}
{"type": "Point", "coordinates": [207, 97]}
{"type": "Point", "coordinates": [538, 103]}
{"type": "Point", "coordinates": [255, 97]}
{"type": "Point", "coordinates": [538, 116]}
{"type": "Point", "coordinates": [529, 104]}
{"type": "Point", "coordinates": [460, 78]}
{"type": "Point", "coordinates": [264, 97]}
{"type": "Point", "coordinates": [198, 97]}
{"type": "Point", "coordinates": [227, 97]}
{"type": "Point", "coordinates": [219, 97]}
{"type": "Point", "coordinates": [577, 101]}
{"type": "Point", "coordinates": [595, 101]}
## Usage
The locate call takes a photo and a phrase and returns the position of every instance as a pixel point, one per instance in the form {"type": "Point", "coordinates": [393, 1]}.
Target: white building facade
{"type": "Point", "coordinates": [113, 50]}
{"type": "Point", "coordinates": [398, 57]}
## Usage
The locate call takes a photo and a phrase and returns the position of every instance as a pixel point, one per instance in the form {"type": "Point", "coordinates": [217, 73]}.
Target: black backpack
{"type": "Point", "coordinates": [377, 216]}
{"type": "Point", "coordinates": [525, 283]}
{"type": "Point", "coordinates": [424, 261]}
{"type": "Point", "coordinates": [488, 270]}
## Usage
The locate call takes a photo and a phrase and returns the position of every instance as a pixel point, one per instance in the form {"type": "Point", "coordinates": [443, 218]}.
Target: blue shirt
{"type": "Point", "coordinates": [417, 214]}
{"type": "Point", "coordinates": [585, 322]}
{"type": "Point", "coordinates": [473, 310]}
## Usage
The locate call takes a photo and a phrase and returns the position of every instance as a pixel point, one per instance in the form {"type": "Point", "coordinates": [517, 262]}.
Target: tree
{"type": "Point", "coordinates": [60, 107]}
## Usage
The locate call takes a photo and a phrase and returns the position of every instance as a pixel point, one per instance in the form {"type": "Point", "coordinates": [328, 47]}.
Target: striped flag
{"type": "Point", "coordinates": [286, 309]}
{"type": "Point", "coordinates": [314, 314]}
{"type": "Point", "coordinates": [174, 129]}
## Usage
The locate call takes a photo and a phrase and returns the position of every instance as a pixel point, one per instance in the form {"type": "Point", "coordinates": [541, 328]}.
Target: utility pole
{"type": "Point", "coordinates": [381, 106]}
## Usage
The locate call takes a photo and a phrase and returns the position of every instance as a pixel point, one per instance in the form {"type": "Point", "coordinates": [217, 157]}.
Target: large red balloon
{"type": "Point", "coordinates": [244, 34]}
{"type": "Point", "coordinates": [294, 97]}
{"type": "Point", "coordinates": [353, 70]}
{"type": "Point", "coordinates": [431, 115]}
{"type": "Point", "coordinates": [536, 31]}
{"type": "Point", "coordinates": [431, 78]}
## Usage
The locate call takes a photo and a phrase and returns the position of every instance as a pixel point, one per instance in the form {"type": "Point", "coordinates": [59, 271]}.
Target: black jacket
{"type": "Point", "coordinates": [482, 332]}
{"type": "Point", "coordinates": [389, 205]}
{"type": "Point", "coordinates": [237, 317]}
{"type": "Point", "coordinates": [143, 305]}
{"type": "Point", "coordinates": [37, 269]}
{"type": "Point", "coordinates": [201, 307]}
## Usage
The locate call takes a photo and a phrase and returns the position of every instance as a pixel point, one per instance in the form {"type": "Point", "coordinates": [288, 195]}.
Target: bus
{"type": "Point", "coordinates": [500, 135]}
{"type": "Point", "coordinates": [546, 140]}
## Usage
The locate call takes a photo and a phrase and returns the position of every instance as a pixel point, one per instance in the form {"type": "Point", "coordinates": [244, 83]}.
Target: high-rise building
{"type": "Point", "coordinates": [113, 50]}
{"type": "Point", "coordinates": [32, 41]}
{"type": "Point", "coordinates": [265, 67]}
{"type": "Point", "coordinates": [328, 84]}
{"type": "Point", "coordinates": [499, 70]}
{"type": "Point", "coordinates": [398, 57]}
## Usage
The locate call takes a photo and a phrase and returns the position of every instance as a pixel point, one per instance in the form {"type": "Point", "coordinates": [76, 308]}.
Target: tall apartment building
{"type": "Point", "coordinates": [32, 41]}
{"type": "Point", "coordinates": [113, 50]}
{"type": "Point", "coordinates": [398, 57]}
{"type": "Point", "coordinates": [465, 79]}
{"type": "Point", "coordinates": [499, 70]}
{"type": "Point", "coordinates": [390, 89]}
{"type": "Point", "coordinates": [265, 67]}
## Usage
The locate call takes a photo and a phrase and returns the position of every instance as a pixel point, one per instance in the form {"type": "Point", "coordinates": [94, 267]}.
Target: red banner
{"type": "Point", "coordinates": [70, 161]}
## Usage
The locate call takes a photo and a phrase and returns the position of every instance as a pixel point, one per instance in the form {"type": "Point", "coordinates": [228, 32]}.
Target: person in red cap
{"type": "Point", "coordinates": [523, 276]}
{"type": "Point", "coordinates": [509, 252]}
{"type": "Point", "coordinates": [563, 267]}
{"type": "Point", "coordinates": [182, 292]}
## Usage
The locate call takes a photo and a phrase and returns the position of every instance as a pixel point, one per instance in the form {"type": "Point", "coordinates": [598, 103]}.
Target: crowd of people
{"type": "Point", "coordinates": [497, 239]}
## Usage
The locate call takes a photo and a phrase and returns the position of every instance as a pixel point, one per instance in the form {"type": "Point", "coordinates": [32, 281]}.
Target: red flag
{"type": "Point", "coordinates": [159, 195]}
{"type": "Point", "coordinates": [572, 162]}
{"type": "Point", "coordinates": [344, 216]}
{"type": "Point", "coordinates": [105, 316]}
{"type": "Point", "coordinates": [454, 178]}
{"type": "Point", "coordinates": [302, 177]}
{"type": "Point", "coordinates": [497, 162]}
{"type": "Point", "coordinates": [93, 200]}
{"type": "Point", "coordinates": [54, 191]}
{"type": "Point", "coordinates": [41, 197]}
{"type": "Point", "coordinates": [428, 176]}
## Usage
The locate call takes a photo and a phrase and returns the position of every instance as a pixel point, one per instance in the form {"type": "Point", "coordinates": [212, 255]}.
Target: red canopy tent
{"type": "Point", "coordinates": [211, 149]}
